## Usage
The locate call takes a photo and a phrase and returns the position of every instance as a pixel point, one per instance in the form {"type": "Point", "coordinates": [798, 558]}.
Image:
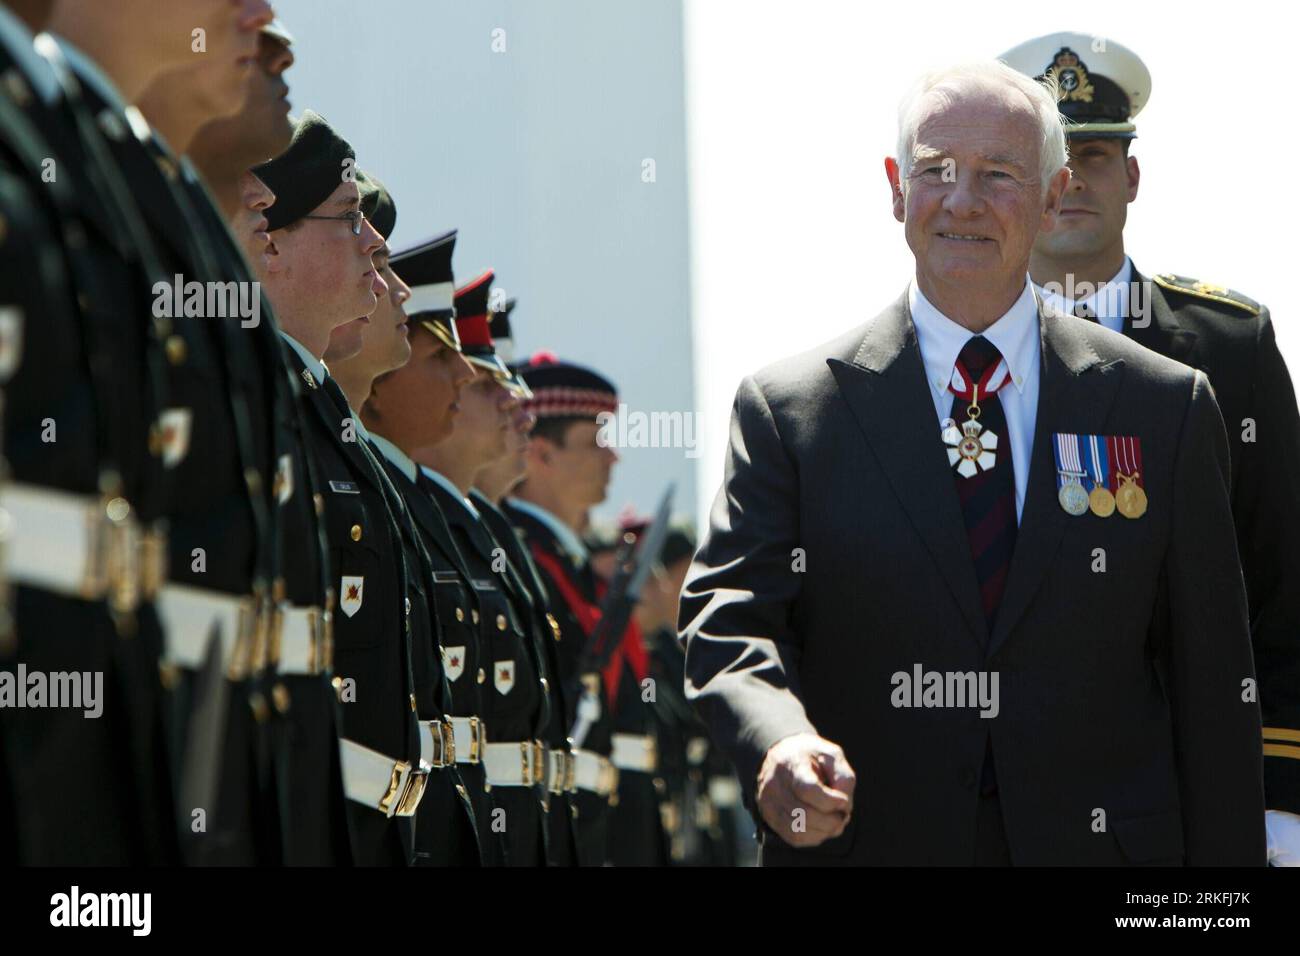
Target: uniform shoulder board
{"type": "Point", "coordinates": [1207, 290]}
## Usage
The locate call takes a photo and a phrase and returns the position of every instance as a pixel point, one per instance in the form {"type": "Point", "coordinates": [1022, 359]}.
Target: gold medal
{"type": "Point", "coordinates": [1130, 499]}
{"type": "Point", "coordinates": [1102, 502]}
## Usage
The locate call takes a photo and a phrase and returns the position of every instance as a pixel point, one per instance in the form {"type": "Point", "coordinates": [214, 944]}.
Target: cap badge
{"type": "Point", "coordinates": [1072, 77]}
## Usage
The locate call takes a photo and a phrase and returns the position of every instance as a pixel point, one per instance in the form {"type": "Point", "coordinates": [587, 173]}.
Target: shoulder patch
{"type": "Point", "coordinates": [1207, 290]}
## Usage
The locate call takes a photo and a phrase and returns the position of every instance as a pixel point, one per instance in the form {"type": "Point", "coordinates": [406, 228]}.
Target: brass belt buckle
{"type": "Point", "coordinates": [153, 562]}
{"type": "Point", "coordinates": [412, 793]}
{"type": "Point", "coordinates": [448, 735]}
{"type": "Point", "coordinates": [275, 634]}
{"type": "Point", "coordinates": [438, 759]}
{"type": "Point", "coordinates": [477, 739]}
{"type": "Point", "coordinates": [118, 571]}
{"type": "Point", "coordinates": [262, 619]}
{"type": "Point", "coordinates": [539, 763]}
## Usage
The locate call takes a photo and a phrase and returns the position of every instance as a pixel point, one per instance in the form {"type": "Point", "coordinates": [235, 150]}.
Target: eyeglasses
{"type": "Point", "coordinates": [354, 217]}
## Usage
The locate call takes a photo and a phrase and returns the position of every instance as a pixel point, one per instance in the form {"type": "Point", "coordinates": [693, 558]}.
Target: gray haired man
{"type": "Point", "coordinates": [980, 553]}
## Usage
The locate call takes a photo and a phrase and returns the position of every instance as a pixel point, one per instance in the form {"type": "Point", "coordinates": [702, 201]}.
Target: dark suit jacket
{"type": "Point", "coordinates": [1234, 344]}
{"type": "Point", "coordinates": [1120, 690]}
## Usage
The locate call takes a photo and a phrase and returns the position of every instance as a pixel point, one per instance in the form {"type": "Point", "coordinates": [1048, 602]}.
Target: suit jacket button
{"type": "Point", "coordinates": [481, 675]}
{"type": "Point", "coordinates": [475, 614]}
{"type": "Point", "coordinates": [460, 614]}
{"type": "Point", "coordinates": [501, 622]}
{"type": "Point", "coordinates": [356, 532]}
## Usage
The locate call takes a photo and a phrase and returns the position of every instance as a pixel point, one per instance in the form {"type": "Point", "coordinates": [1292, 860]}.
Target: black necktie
{"type": "Point", "coordinates": [988, 497]}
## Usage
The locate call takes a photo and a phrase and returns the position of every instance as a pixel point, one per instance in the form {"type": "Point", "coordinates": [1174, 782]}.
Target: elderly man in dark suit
{"type": "Point", "coordinates": [971, 592]}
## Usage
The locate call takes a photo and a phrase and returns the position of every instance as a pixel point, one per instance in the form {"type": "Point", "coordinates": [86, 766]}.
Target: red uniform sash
{"type": "Point", "coordinates": [630, 648]}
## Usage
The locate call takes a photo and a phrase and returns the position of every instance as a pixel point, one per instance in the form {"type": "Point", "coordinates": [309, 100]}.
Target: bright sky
{"type": "Point", "coordinates": [792, 108]}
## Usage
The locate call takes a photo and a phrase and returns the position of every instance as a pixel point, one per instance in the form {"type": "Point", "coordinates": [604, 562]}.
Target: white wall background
{"type": "Point", "coordinates": [535, 154]}
{"type": "Point", "coordinates": [792, 109]}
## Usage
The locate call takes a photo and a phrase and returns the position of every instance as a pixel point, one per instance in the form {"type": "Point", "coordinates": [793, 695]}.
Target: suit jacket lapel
{"type": "Point", "coordinates": [1075, 395]}
{"type": "Point", "coordinates": [886, 391]}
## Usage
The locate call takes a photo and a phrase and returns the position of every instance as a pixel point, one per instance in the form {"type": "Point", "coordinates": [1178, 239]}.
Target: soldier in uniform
{"type": "Point", "coordinates": [702, 816]}
{"type": "Point", "coordinates": [1081, 267]}
{"type": "Point", "coordinates": [318, 271]}
{"type": "Point", "coordinates": [445, 825]}
{"type": "Point", "coordinates": [303, 753]}
{"type": "Point", "coordinates": [491, 485]}
{"type": "Point", "coordinates": [568, 471]}
{"type": "Point", "coordinates": [515, 693]}
{"type": "Point", "coordinates": [412, 408]}
{"type": "Point", "coordinates": [114, 449]}
{"type": "Point", "coordinates": [216, 445]}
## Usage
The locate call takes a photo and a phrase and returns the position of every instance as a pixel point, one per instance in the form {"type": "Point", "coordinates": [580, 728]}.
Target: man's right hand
{"type": "Point", "coordinates": [805, 790]}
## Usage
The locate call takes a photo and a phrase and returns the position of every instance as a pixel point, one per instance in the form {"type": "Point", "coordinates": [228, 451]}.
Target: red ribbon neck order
{"type": "Point", "coordinates": [967, 393]}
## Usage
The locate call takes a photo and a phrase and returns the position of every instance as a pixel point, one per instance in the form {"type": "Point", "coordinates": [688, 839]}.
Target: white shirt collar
{"type": "Point", "coordinates": [394, 454]}
{"type": "Point", "coordinates": [451, 489]}
{"type": "Point", "coordinates": [1109, 302]}
{"type": "Point", "coordinates": [314, 365]}
{"type": "Point", "coordinates": [563, 533]}
{"type": "Point", "coordinates": [941, 339]}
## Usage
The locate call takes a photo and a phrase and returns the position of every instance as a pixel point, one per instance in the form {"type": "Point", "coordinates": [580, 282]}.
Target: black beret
{"type": "Point", "coordinates": [307, 173]}
{"type": "Point", "coordinates": [377, 203]}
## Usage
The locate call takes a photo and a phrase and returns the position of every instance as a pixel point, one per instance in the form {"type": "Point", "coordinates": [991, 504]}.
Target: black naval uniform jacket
{"type": "Point", "coordinates": [514, 694]}
{"type": "Point", "coordinates": [90, 370]}
{"type": "Point", "coordinates": [456, 610]}
{"type": "Point", "coordinates": [372, 658]}
{"type": "Point", "coordinates": [1231, 339]}
{"type": "Point", "coordinates": [591, 813]}
{"type": "Point", "coordinates": [561, 708]}
{"type": "Point", "coordinates": [1124, 691]}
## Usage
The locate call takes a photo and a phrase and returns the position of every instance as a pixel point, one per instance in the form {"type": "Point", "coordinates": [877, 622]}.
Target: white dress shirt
{"type": "Point", "coordinates": [1109, 303]}
{"type": "Point", "coordinates": [1016, 336]}
{"type": "Point", "coordinates": [394, 455]}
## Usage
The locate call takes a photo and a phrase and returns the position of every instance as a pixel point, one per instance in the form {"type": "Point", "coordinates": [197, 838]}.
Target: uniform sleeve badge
{"type": "Point", "coordinates": [453, 662]}
{"type": "Point", "coordinates": [351, 593]}
{"type": "Point", "coordinates": [174, 426]}
{"type": "Point", "coordinates": [503, 676]}
{"type": "Point", "coordinates": [283, 483]}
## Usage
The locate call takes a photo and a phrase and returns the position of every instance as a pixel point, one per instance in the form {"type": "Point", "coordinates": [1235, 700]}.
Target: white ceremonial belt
{"type": "Point", "coordinates": [594, 772]}
{"type": "Point", "coordinates": [634, 752]}
{"type": "Point", "coordinates": [393, 787]}
{"type": "Point", "coordinates": [80, 546]}
{"type": "Point", "coordinates": [470, 735]}
{"type": "Point", "coordinates": [437, 744]}
{"type": "Point", "coordinates": [559, 771]}
{"type": "Point", "coordinates": [724, 791]}
{"type": "Point", "coordinates": [516, 763]}
{"type": "Point", "coordinates": [302, 641]}
{"type": "Point", "coordinates": [190, 616]}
